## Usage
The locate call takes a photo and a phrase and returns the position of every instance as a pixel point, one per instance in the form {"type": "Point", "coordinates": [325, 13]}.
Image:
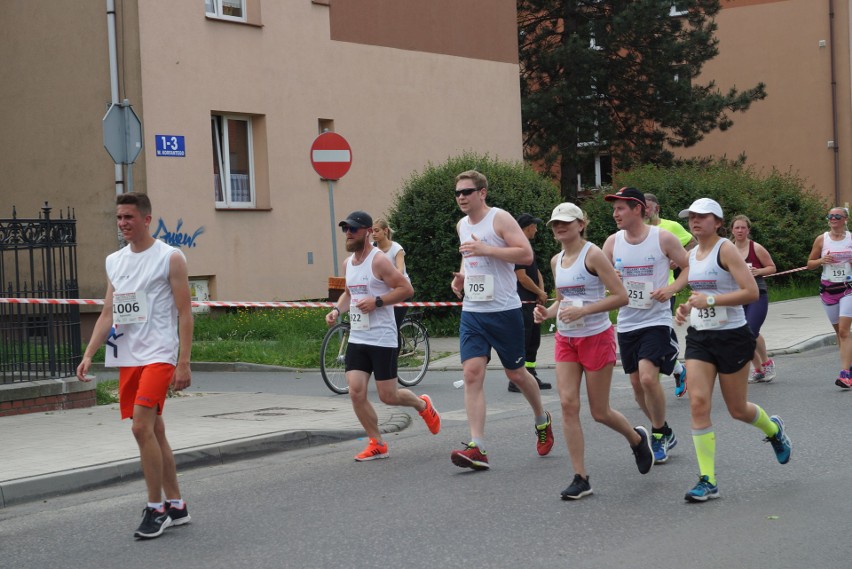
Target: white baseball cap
{"type": "Point", "coordinates": [566, 212]}
{"type": "Point", "coordinates": [702, 206]}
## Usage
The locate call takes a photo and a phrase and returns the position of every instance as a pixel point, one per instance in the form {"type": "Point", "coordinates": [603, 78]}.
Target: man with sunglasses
{"type": "Point", "coordinates": [373, 286]}
{"type": "Point", "coordinates": [492, 243]}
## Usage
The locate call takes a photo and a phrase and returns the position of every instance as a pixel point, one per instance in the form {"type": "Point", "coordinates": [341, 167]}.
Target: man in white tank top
{"type": "Point", "coordinates": [644, 326]}
{"type": "Point", "coordinates": [373, 286]}
{"type": "Point", "coordinates": [147, 324]}
{"type": "Point", "coordinates": [492, 243]}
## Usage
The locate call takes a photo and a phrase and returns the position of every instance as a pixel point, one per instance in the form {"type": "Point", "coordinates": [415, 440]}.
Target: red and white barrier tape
{"type": "Point", "coordinates": [215, 303]}
{"type": "Point", "coordinates": [251, 304]}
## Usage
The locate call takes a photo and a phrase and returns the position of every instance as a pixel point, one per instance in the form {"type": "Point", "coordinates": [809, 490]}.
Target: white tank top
{"type": "Point", "coordinates": [576, 283]}
{"type": "Point", "coordinates": [505, 282]}
{"type": "Point", "coordinates": [394, 249]}
{"type": "Point", "coordinates": [378, 328]}
{"type": "Point", "coordinates": [842, 253]}
{"type": "Point", "coordinates": [646, 268]}
{"type": "Point", "coordinates": [708, 277]}
{"type": "Point", "coordinates": [154, 340]}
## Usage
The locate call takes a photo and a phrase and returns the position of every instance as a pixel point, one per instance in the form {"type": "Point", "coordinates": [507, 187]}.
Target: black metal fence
{"type": "Point", "coordinates": [38, 259]}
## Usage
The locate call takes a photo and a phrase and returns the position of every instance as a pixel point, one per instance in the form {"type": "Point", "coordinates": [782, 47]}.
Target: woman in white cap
{"type": "Point", "coordinates": [719, 342]}
{"type": "Point", "coordinates": [585, 341]}
{"type": "Point", "coordinates": [832, 252]}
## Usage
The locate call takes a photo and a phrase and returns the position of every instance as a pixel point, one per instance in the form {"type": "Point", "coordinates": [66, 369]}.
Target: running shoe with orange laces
{"type": "Point", "coordinates": [470, 457]}
{"type": "Point", "coordinates": [373, 451]}
{"type": "Point", "coordinates": [545, 436]}
{"type": "Point", "coordinates": [430, 415]}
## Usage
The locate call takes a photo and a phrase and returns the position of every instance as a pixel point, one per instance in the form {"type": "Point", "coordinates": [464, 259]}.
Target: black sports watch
{"type": "Point", "coordinates": [379, 302]}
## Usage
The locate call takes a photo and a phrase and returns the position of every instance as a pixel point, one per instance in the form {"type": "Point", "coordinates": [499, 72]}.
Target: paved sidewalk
{"type": "Point", "coordinates": [45, 454]}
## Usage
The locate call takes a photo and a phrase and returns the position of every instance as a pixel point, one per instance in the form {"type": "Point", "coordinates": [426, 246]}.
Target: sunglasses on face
{"type": "Point", "coordinates": [835, 216]}
{"type": "Point", "coordinates": [349, 229]}
{"type": "Point", "coordinates": [466, 191]}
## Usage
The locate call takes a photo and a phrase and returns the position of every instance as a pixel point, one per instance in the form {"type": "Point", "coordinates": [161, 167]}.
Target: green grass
{"type": "Point", "coordinates": [106, 392]}
{"type": "Point", "coordinates": [292, 337]}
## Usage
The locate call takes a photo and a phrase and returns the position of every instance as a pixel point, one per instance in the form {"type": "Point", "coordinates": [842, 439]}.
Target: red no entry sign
{"type": "Point", "coordinates": [331, 156]}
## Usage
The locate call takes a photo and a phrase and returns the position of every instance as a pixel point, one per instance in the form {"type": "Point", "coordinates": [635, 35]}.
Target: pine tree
{"type": "Point", "coordinates": [619, 76]}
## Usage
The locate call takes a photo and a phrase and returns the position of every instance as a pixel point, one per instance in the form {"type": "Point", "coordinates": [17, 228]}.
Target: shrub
{"type": "Point", "coordinates": [786, 215]}
{"type": "Point", "coordinates": [424, 216]}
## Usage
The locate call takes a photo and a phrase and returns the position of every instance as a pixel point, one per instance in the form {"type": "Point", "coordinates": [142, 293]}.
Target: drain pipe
{"type": "Point", "coordinates": [113, 82]}
{"type": "Point", "coordinates": [835, 145]}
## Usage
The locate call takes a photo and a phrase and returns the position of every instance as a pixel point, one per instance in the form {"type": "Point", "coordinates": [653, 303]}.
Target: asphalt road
{"type": "Point", "coordinates": [318, 508]}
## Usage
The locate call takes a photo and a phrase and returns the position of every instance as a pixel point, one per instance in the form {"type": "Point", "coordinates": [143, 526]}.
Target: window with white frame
{"type": "Point", "coordinates": [233, 164]}
{"type": "Point", "coordinates": [594, 171]}
{"type": "Point", "coordinates": [677, 10]}
{"type": "Point", "coordinates": [226, 9]}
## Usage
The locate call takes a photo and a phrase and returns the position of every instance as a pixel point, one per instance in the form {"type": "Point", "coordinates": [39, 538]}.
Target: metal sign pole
{"type": "Point", "coordinates": [333, 225]}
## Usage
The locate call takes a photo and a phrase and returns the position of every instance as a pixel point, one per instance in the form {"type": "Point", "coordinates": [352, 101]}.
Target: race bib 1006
{"type": "Point", "coordinates": [129, 307]}
{"type": "Point", "coordinates": [574, 324]}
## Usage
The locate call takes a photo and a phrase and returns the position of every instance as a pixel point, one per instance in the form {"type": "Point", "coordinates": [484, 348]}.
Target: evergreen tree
{"type": "Point", "coordinates": [619, 76]}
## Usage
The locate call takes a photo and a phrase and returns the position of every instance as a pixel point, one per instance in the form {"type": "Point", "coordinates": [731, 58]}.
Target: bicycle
{"type": "Point", "coordinates": [412, 363]}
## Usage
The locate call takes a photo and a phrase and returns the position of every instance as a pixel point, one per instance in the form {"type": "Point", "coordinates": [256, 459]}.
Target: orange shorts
{"type": "Point", "coordinates": [143, 385]}
{"type": "Point", "coordinates": [591, 352]}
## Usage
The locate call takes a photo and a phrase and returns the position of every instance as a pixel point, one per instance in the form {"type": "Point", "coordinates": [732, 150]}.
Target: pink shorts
{"type": "Point", "coordinates": [591, 352]}
{"type": "Point", "coordinates": [144, 385]}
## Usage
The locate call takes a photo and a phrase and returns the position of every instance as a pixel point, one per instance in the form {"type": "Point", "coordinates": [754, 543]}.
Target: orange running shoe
{"type": "Point", "coordinates": [544, 434]}
{"type": "Point", "coordinates": [430, 415]}
{"type": "Point", "coordinates": [373, 451]}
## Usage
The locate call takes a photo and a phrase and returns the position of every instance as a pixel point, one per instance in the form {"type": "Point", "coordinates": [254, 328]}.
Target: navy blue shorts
{"type": "Point", "coordinates": [654, 344]}
{"type": "Point", "coordinates": [479, 332]}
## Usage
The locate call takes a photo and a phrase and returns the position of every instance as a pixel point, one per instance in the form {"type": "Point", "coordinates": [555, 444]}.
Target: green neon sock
{"type": "Point", "coordinates": [705, 451]}
{"type": "Point", "coordinates": [762, 422]}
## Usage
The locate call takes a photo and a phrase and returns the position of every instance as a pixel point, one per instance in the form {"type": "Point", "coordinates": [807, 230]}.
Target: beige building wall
{"type": "Point", "coordinates": [400, 107]}
{"type": "Point", "coordinates": [787, 45]}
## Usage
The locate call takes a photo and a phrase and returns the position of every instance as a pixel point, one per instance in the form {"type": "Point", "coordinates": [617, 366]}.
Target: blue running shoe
{"type": "Point", "coordinates": [658, 446]}
{"type": "Point", "coordinates": [702, 491]}
{"type": "Point", "coordinates": [680, 382]}
{"type": "Point", "coordinates": [661, 445]}
{"type": "Point", "coordinates": [780, 441]}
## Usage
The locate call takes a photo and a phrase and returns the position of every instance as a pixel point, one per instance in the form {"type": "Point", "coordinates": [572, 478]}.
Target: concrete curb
{"type": "Point", "coordinates": [80, 479]}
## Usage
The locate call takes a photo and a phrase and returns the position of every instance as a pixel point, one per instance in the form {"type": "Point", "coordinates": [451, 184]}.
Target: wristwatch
{"type": "Point", "coordinates": [379, 302]}
{"type": "Point", "coordinates": [711, 300]}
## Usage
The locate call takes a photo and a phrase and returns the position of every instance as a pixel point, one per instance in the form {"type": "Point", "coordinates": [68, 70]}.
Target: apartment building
{"type": "Point", "coordinates": [231, 94]}
{"type": "Point", "coordinates": [801, 50]}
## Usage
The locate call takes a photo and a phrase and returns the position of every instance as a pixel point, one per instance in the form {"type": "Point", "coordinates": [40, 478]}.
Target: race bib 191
{"type": "Point", "coordinates": [836, 273]}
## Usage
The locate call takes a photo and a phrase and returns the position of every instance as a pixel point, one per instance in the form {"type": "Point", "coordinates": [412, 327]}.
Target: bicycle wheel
{"type": "Point", "coordinates": [413, 353]}
{"type": "Point", "coordinates": [333, 358]}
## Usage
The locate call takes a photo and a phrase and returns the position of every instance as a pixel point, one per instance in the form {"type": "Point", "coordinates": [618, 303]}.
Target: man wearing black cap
{"type": "Point", "coordinates": [531, 290]}
{"type": "Point", "coordinates": [373, 286]}
{"type": "Point", "coordinates": [642, 254]}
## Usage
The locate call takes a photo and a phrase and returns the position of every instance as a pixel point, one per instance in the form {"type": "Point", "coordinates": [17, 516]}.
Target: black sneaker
{"type": "Point", "coordinates": [154, 522]}
{"type": "Point", "coordinates": [179, 516]}
{"type": "Point", "coordinates": [514, 388]}
{"type": "Point", "coordinates": [643, 453]}
{"type": "Point", "coordinates": [578, 488]}
{"type": "Point", "coordinates": [542, 385]}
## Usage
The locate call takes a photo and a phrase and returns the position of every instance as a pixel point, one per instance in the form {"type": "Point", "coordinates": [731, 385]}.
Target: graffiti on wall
{"type": "Point", "coordinates": [177, 238]}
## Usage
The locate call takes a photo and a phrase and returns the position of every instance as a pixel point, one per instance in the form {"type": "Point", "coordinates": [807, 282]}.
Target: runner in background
{"type": "Point", "coordinates": [760, 263]}
{"type": "Point", "coordinates": [652, 217]}
{"type": "Point", "coordinates": [832, 252]}
{"type": "Point", "coordinates": [382, 237]}
{"type": "Point", "coordinates": [531, 290]}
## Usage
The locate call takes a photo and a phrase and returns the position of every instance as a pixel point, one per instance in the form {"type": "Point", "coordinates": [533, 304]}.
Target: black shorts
{"type": "Point", "coordinates": [378, 360]}
{"type": "Point", "coordinates": [654, 344]}
{"type": "Point", "coordinates": [728, 350]}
